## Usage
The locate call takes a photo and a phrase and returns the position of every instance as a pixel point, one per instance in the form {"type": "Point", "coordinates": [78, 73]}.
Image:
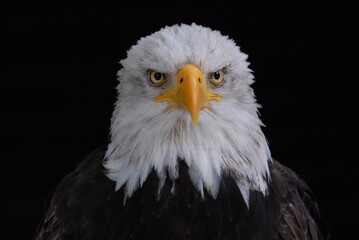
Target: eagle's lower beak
{"type": "Point", "coordinates": [189, 92]}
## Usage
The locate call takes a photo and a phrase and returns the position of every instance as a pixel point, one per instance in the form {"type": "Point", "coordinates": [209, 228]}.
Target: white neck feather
{"type": "Point", "coordinates": [227, 140]}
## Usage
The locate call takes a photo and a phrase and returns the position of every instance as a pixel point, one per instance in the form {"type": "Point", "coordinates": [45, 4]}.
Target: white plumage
{"type": "Point", "coordinates": [145, 135]}
{"type": "Point", "coordinates": [187, 155]}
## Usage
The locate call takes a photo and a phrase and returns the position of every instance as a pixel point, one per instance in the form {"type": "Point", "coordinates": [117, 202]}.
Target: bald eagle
{"type": "Point", "coordinates": [187, 158]}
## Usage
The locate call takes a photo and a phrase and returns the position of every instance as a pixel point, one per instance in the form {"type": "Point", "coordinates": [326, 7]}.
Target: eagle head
{"type": "Point", "coordinates": [184, 94]}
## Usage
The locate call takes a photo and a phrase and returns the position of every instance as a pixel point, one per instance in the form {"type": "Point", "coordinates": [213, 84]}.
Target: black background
{"type": "Point", "coordinates": [59, 77]}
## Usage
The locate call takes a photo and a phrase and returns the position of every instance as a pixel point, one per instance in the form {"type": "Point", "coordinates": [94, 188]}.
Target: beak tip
{"type": "Point", "coordinates": [194, 120]}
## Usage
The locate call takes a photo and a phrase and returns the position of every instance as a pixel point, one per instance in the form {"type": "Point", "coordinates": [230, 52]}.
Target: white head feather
{"type": "Point", "coordinates": [227, 139]}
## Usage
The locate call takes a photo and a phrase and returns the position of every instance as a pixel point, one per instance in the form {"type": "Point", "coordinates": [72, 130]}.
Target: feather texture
{"type": "Point", "coordinates": [228, 136]}
{"type": "Point", "coordinates": [161, 177]}
{"type": "Point", "coordinates": [85, 206]}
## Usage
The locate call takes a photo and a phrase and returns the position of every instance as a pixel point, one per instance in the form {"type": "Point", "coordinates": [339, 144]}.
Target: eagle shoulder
{"type": "Point", "coordinates": [85, 206]}
{"type": "Point", "coordinates": [299, 216]}
{"type": "Point", "coordinates": [73, 209]}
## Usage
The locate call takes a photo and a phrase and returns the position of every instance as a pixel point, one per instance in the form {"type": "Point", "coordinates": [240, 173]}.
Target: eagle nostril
{"type": "Point", "coordinates": [181, 81]}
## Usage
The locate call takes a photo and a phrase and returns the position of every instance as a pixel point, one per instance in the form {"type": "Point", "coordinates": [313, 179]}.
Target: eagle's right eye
{"type": "Point", "coordinates": [156, 78]}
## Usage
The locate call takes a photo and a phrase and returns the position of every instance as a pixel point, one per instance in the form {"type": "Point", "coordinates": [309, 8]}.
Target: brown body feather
{"type": "Point", "coordinates": [85, 206]}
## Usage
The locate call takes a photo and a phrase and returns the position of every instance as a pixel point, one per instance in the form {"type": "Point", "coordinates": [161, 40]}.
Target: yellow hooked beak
{"type": "Point", "coordinates": [189, 92]}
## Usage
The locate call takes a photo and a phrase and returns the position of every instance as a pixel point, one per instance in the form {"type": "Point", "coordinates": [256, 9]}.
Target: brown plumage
{"type": "Point", "coordinates": [85, 206]}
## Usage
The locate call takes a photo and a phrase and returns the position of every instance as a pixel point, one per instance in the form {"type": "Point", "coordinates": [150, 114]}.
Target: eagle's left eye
{"type": "Point", "coordinates": [156, 78]}
{"type": "Point", "coordinates": [218, 77]}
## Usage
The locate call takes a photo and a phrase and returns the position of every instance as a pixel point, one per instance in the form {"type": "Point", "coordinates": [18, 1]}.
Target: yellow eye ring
{"type": "Point", "coordinates": [156, 78]}
{"type": "Point", "coordinates": [217, 77]}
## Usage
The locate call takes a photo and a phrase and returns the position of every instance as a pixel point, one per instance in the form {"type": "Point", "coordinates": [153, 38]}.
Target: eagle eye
{"type": "Point", "coordinates": [156, 78]}
{"type": "Point", "coordinates": [218, 77]}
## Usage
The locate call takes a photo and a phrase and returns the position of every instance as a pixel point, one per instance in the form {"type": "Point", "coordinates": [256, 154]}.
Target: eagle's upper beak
{"type": "Point", "coordinates": [190, 92]}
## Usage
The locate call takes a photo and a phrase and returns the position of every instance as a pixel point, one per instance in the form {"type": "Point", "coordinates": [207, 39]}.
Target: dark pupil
{"type": "Point", "coordinates": [216, 75]}
{"type": "Point", "coordinates": [158, 76]}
